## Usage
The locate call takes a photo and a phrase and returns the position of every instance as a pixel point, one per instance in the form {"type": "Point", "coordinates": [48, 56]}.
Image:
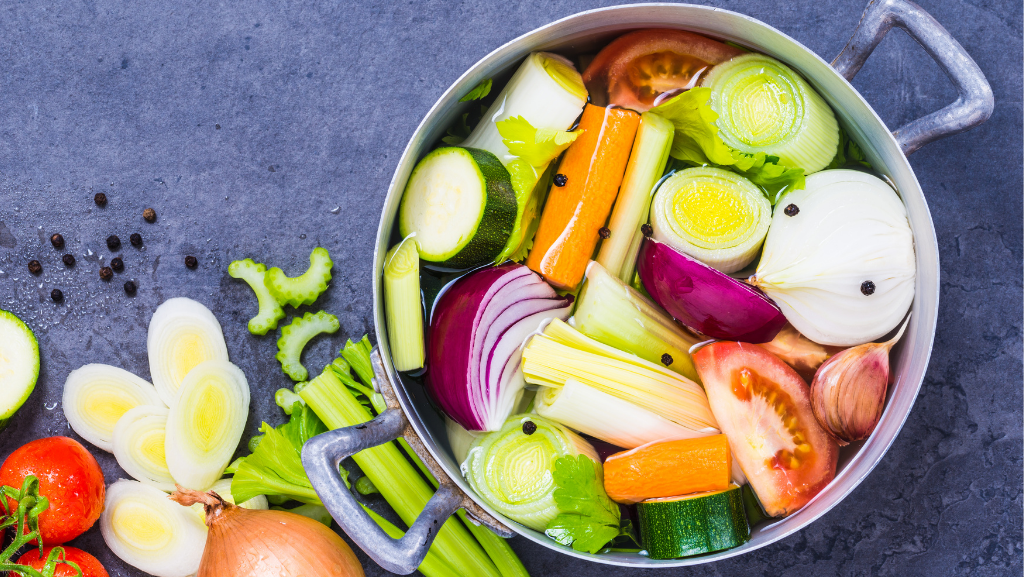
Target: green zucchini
{"type": "Point", "coordinates": [19, 365]}
{"type": "Point", "coordinates": [461, 206]}
{"type": "Point", "coordinates": [695, 524]}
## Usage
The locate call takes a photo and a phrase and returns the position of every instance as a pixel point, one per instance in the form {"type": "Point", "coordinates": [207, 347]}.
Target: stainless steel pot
{"type": "Point", "coordinates": [409, 413]}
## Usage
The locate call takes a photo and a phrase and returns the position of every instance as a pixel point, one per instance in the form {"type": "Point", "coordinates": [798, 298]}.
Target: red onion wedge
{"type": "Point", "coordinates": [475, 339]}
{"type": "Point", "coordinates": [706, 300]}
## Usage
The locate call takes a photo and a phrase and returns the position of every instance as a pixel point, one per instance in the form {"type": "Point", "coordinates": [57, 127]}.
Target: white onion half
{"type": "Point", "coordinates": [182, 334]}
{"type": "Point", "coordinates": [96, 396]}
{"type": "Point", "coordinates": [206, 423]}
{"type": "Point", "coordinates": [139, 446]}
{"type": "Point", "coordinates": [147, 530]}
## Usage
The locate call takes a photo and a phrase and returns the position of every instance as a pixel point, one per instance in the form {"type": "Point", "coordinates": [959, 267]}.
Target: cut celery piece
{"type": "Point", "coordinates": [403, 305]}
{"type": "Point", "coordinates": [304, 289]}
{"type": "Point", "coordinates": [294, 337]}
{"type": "Point", "coordinates": [254, 274]}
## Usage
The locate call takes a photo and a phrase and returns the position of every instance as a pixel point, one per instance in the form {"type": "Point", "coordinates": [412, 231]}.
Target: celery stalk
{"type": "Point", "coordinates": [403, 306]}
{"type": "Point", "coordinates": [433, 564]}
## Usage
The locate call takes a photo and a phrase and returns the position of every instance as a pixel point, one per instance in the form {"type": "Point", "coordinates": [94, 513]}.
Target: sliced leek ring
{"type": "Point", "coordinates": [139, 446]}
{"type": "Point", "coordinates": [150, 532]}
{"type": "Point", "coordinates": [223, 488]}
{"type": "Point", "coordinates": [714, 215]}
{"type": "Point", "coordinates": [205, 425]}
{"type": "Point", "coordinates": [764, 106]}
{"type": "Point", "coordinates": [182, 334]}
{"type": "Point", "coordinates": [96, 396]}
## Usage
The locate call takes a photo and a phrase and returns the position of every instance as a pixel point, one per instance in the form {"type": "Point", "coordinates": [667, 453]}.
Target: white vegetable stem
{"type": "Point", "coordinates": [139, 441]}
{"type": "Point", "coordinates": [96, 396]}
{"type": "Point", "coordinates": [182, 334]}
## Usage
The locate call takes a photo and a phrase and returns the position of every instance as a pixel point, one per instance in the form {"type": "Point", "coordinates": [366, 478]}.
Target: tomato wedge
{"type": "Point", "coordinates": [639, 66]}
{"type": "Point", "coordinates": [764, 408]}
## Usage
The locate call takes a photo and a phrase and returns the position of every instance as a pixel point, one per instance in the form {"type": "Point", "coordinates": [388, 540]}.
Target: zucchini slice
{"type": "Point", "coordinates": [695, 524]}
{"type": "Point", "coordinates": [19, 365]}
{"type": "Point", "coordinates": [461, 205]}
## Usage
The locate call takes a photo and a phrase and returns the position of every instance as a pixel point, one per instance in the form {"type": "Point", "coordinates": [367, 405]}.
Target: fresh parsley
{"type": "Point", "coordinates": [587, 519]}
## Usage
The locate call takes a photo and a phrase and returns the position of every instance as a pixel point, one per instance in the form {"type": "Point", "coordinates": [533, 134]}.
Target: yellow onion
{"type": "Point", "coordinates": [848, 390]}
{"type": "Point", "coordinates": [265, 543]}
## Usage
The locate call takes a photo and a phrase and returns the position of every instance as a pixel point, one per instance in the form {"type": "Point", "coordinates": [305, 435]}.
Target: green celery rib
{"type": "Point", "coordinates": [433, 564]}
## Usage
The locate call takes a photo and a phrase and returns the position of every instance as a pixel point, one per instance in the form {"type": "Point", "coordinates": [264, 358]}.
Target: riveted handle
{"type": "Point", "coordinates": [974, 104]}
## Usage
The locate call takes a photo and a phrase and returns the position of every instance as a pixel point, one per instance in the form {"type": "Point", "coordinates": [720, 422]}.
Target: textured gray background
{"type": "Point", "coordinates": [314, 105]}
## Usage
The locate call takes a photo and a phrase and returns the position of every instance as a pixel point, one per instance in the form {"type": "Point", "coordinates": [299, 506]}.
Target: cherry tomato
{"type": "Point", "coordinates": [639, 66]}
{"type": "Point", "coordinates": [69, 477]}
{"type": "Point", "coordinates": [89, 565]}
{"type": "Point", "coordinates": [764, 408]}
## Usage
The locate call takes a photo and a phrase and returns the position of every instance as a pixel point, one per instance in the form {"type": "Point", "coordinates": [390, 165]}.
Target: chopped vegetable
{"type": "Point", "coordinates": [295, 336]}
{"type": "Point", "coordinates": [694, 524]}
{"type": "Point", "coordinates": [303, 289]}
{"type": "Point", "coordinates": [594, 166]}
{"type": "Point", "coordinates": [459, 439]}
{"type": "Point", "coordinates": [668, 468]}
{"type": "Point", "coordinates": [96, 396]}
{"type": "Point", "coordinates": [182, 334]}
{"type": "Point", "coordinates": [139, 446]}
{"type": "Point", "coordinates": [19, 365]}
{"type": "Point", "coordinates": [21, 510]}
{"type": "Point", "coordinates": [536, 146]}
{"type": "Point", "coordinates": [798, 351]}
{"type": "Point", "coordinates": [85, 564]}
{"type": "Point", "coordinates": [403, 305]}
{"type": "Point", "coordinates": [206, 423]}
{"type": "Point", "coordinates": [587, 519]}
{"type": "Point", "coordinates": [270, 312]}
{"type": "Point", "coordinates": [479, 91]}
{"type": "Point", "coordinates": [147, 531]}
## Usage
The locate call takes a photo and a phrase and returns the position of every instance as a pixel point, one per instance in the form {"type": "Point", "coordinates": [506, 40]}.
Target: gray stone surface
{"type": "Point", "coordinates": [245, 123]}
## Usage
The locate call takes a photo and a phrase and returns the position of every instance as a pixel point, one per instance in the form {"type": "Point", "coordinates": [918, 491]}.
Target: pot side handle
{"type": "Point", "coordinates": [322, 455]}
{"type": "Point", "coordinates": [974, 104]}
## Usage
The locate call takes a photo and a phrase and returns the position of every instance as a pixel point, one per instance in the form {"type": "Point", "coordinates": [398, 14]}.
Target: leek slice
{"type": "Point", "coordinates": [182, 334]}
{"type": "Point", "coordinates": [139, 439]}
{"type": "Point", "coordinates": [404, 306]}
{"type": "Point", "coordinates": [96, 396]}
{"type": "Point", "coordinates": [764, 106]}
{"type": "Point", "coordinates": [206, 424]}
{"type": "Point", "coordinates": [714, 215]}
{"type": "Point", "coordinates": [510, 468]}
{"type": "Point", "coordinates": [150, 532]}
{"type": "Point", "coordinates": [617, 315]}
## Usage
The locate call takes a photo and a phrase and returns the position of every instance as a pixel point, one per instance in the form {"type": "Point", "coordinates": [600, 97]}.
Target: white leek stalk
{"type": "Point", "coordinates": [764, 106]}
{"type": "Point", "coordinates": [403, 305]}
{"type": "Point", "coordinates": [96, 396]}
{"type": "Point", "coordinates": [182, 334]}
{"type": "Point", "coordinates": [148, 531]}
{"type": "Point", "coordinates": [206, 423]}
{"type": "Point", "coordinates": [139, 440]}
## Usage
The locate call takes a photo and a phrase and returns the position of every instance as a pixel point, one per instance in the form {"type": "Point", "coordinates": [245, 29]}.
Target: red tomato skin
{"type": "Point", "coordinates": [90, 566]}
{"type": "Point", "coordinates": [69, 477]}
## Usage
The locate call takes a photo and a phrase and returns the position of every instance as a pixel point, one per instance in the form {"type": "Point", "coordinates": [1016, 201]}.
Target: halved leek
{"type": "Point", "coordinates": [716, 216]}
{"type": "Point", "coordinates": [139, 439]}
{"type": "Point", "coordinates": [96, 396]}
{"type": "Point", "coordinates": [150, 532]}
{"type": "Point", "coordinates": [403, 305]}
{"type": "Point", "coordinates": [182, 334]}
{"type": "Point", "coordinates": [510, 468]}
{"type": "Point", "coordinates": [764, 106]}
{"type": "Point", "coordinates": [206, 424]}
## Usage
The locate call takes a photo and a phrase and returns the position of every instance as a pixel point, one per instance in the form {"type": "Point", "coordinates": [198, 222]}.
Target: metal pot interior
{"type": "Point", "coordinates": [586, 32]}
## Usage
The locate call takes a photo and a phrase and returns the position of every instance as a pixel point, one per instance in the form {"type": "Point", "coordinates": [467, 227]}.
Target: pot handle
{"type": "Point", "coordinates": [974, 104]}
{"type": "Point", "coordinates": [322, 455]}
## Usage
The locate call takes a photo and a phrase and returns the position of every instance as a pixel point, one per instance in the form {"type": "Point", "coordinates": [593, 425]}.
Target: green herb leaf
{"type": "Point", "coordinates": [848, 154]}
{"type": "Point", "coordinates": [537, 146]}
{"type": "Point", "coordinates": [480, 91]}
{"type": "Point", "coordinates": [587, 518]}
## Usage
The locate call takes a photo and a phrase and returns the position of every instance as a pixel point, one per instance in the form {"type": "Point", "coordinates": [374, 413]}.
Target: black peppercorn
{"type": "Point", "coordinates": [603, 232]}
{"type": "Point", "coordinates": [69, 259]}
{"type": "Point", "coordinates": [135, 239]}
{"type": "Point", "coordinates": [57, 241]}
{"type": "Point", "coordinates": [34, 267]}
{"type": "Point", "coordinates": [130, 288]}
{"type": "Point", "coordinates": [117, 264]}
{"type": "Point", "coordinates": [666, 359]}
{"type": "Point", "coordinates": [149, 215]}
{"type": "Point", "coordinates": [561, 180]}
{"type": "Point", "coordinates": [191, 261]}
{"type": "Point", "coordinates": [57, 295]}
{"type": "Point", "coordinates": [113, 243]}
{"type": "Point", "coordinates": [867, 287]}
{"type": "Point", "coordinates": [529, 428]}
{"type": "Point", "coordinates": [647, 229]}
{"type": "Point", "coordinates": [100, 199]}
{"type": "Point", "coordinates": [106, 273]}
{"type": "Point", "coordinates": [792, 210]}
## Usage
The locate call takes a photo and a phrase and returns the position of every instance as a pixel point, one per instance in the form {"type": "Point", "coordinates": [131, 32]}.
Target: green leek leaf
{"type": "Point", "coordinates": [537, 146]}
{"type": "Point", "coordinates": [479, 91]}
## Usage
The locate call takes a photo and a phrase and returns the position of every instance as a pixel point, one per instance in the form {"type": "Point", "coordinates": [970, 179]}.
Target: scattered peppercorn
{"type": "Point", "coordinates": [117, 264]}
{"type": "Point", "coordinates": [34, 267]}
{"type": "Point", "coordinates": [666, 359]}
{"type": "Point", "coordinates": [603, 232]}
{"type": "Point", "coordinates": [191, 261]}
{"type": "Point", "coordinates": [57, 241]}
{"type": "Point", "coordinates": [100, 199]}
{"type": "Point", "coordinates": [561, 180]}
{"type": "Point", "coordinates": [529, 428]}
{"type": "Point", "coordinates": [792, 210]}
{"type": "Point", "coordinates": [106, 273]}
{"type": "Point", "coordinates": [135, 239]}
{"type": "Point", "coordinates": [867, 287]}
{"type": "Point", "coordinates": [271, 168]}
{"type": "Point", "coordinates": [113, 243]}
{"type": "Point", "coordinates": [149, 215]}
{"type": "Point", "coordinates": [57, 295]}
{"type": "Point", "coordinates": [647, 229]}
{"type": "Point", "coordinates": [69, 260]}
{"type": "Point", "coordinates": [217, 126]}
{"type": "Point", "coordinates": [130, 288]}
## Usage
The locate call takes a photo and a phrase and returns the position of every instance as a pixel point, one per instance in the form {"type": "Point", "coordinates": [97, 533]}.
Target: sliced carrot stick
{"type": "Point", "coordinates": [668, 469]}
{"type": "Point", "coordinates": [574, 213]}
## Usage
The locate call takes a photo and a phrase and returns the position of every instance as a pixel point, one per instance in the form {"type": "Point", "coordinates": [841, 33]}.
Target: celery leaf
{"type": "Point", "coordinates": [587, 518]}
{"type": "Point", "coordinates": [696, 138]}
{"type": "Point", "coordinates": [479, 91]}
{"type": "Point", "coordinates": [537, 146]}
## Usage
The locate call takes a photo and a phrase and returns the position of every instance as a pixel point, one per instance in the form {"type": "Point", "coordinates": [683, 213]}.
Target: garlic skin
{"type": "Point", "coordinates": [849, 228]}
{"type": "Point", "coordinates": [798, 351]}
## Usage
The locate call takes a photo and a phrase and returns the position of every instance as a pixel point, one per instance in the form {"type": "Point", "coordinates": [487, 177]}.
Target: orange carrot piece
{"type": "Point", "coordinates": [573, 214]}
{"type": "Point", "coordinates": [668, 469]}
